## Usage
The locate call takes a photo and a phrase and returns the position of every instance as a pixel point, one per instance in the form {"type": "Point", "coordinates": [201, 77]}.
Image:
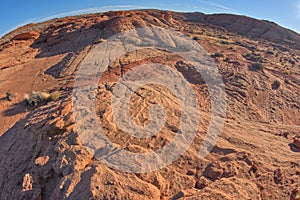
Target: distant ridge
{"type": "Point", "coordinates": [249, 27]}
{"type": "Point", "coordinates": [242, 25]}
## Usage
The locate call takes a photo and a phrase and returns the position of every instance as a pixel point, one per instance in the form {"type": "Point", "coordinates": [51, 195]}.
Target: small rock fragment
{"type": "Point", "coordinates": [297, 142]}
{"type": "Point", "coordinates": [278, 175]}
{"type": "Point", "coordinates": [254, 167]}
{"type": "Point", "coordinates": [27, 183]}
{"type": "Point", "coordinates": [201, 183]}
{"type": "Point", "coordinates": [41, 161]}
{"type": "Point", "coordinates": [213, 171]}
{"type": "Point", "coordinates": [191, 172]}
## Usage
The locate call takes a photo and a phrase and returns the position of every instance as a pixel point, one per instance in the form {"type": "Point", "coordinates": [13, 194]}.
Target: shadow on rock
{"type": "Point", "coordinates": [294, 148]}
{"type": "Point", "coordinates": [16, 109]}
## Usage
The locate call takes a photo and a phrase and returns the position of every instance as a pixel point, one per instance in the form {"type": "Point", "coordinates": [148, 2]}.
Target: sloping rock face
{"type": "Point", "coordinates": [256, 157]}
{"type": "Point", "coordinates": [26, 36]}
{"type": "Point", "coordinates": [249, 27]}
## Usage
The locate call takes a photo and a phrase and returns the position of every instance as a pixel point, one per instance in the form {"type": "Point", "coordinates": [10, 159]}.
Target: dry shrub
{"type": "Point", "coordinates": [38, 97]}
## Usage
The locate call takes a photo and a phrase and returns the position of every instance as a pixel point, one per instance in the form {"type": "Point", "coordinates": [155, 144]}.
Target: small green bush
{"type": "Point", "coordinates": [54, 96]}
{"type": "Point", "coordinates": [36, 97]}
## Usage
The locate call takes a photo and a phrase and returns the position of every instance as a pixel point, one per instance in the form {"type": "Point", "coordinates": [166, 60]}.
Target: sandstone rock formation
{"type": "Point", "coordinates": [256, 157]}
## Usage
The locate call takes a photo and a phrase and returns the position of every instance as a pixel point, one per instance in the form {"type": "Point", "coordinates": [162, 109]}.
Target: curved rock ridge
{"type": "Point", "coordinates": [256, 156]}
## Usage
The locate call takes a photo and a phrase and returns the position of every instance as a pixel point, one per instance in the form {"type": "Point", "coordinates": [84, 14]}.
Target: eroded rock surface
{"type": "Point", "coordinates": [256, 157]}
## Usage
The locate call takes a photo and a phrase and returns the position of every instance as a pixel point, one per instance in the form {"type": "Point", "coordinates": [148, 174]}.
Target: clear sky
{"type": "Point", "coordinates": [19, 12]}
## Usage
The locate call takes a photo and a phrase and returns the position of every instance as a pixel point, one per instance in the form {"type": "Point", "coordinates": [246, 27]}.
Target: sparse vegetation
{"type": "Point", "coordinates": [257, 66]}
{"type": "Point", "coordinates": [54, 96]}
{"type": "Point", "coordinates": [38, 97]}
{"type": "Point", "coordinates": [276, 84]}
{"type": "Point", "coordinates": [237, 43]}
{"type": "Point", "coordinates": [9, 96]}
{"type": "Point", "coordinates": [101, 40]}
{"type": "Point", "coordinates": [218, 54]}
{"type": "Point", "coordinates": [222, 37]}
{"type": "Point", "coordinates": [253, 58]}
{"type": "Point", "coordinates": [270, 52]}
{"type": "Point", "coordinates": [226, 59]}
{"type": "Point", "coordinates": [42, 152]}
{"type": "Point", "coordinates": [225, 42]}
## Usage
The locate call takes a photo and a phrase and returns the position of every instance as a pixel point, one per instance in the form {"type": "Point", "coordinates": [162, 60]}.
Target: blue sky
{"type": "Point", "coordinates": [19, 12]}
